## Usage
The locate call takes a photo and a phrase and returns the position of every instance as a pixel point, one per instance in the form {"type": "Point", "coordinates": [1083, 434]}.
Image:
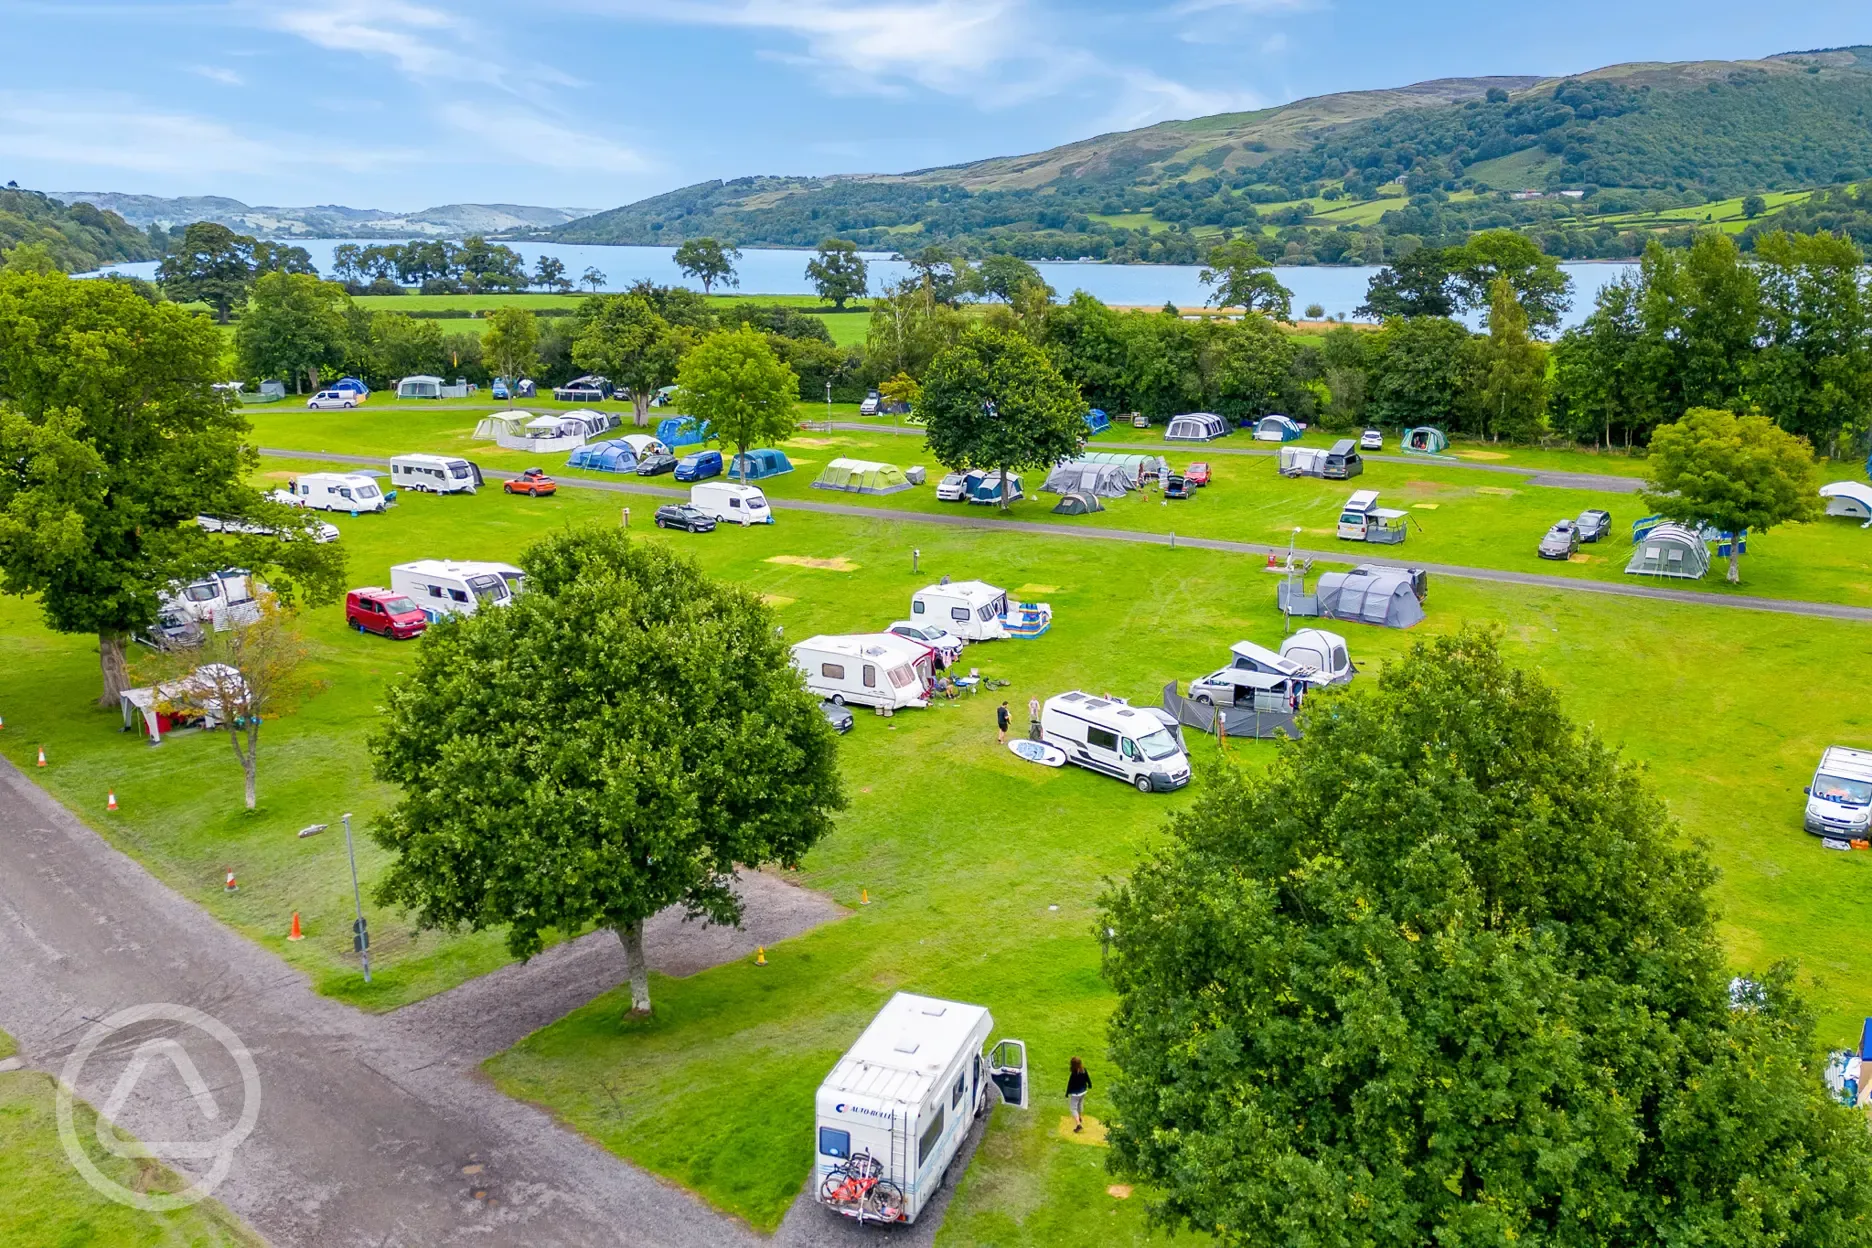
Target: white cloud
{"type": "Point", "coordinates": [515, 134]}
{"type": "Point", "coordinates": [217, 73]}
{"type": "Point", "coordinates": [409, 35]}
{"type": "Point", "coordinates": [1188, 7]}
{"type": "Point", "coordinates": [1145, 98]}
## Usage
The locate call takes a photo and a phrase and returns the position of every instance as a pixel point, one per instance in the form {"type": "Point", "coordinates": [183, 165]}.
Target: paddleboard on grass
{"type": "Point", "coordinates": [1039, 752]}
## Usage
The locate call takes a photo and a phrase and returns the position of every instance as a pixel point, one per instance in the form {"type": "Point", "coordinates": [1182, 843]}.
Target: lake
{"type": "Point", "coordinates": [775, 271]}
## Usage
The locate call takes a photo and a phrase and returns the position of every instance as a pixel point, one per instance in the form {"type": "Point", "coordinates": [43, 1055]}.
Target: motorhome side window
{"type": "Point", "coordinates": [834, 1143]}
{"type": "Point", "coordinates": [1101, 738]}
{"type": "Point", "coordinates": [916, 607]}
{"type": "Point", "coordinates": [961, 1088]}
{"type": "Point", "coordinates": [459, 595]}
{"type": "Point", "coordinates": [931, 1135]}
{"type": "Point", "coordinates": [832, 671]}
{"type": "Point", "coordinates": [960, 613]}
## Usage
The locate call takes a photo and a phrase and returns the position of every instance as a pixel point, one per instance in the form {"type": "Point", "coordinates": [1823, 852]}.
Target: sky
{"type": "Point", "coordinates": [405, 104]}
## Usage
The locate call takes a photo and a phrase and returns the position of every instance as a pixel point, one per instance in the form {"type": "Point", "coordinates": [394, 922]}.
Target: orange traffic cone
{"type": "Point", "coordinates": [112, 803]}
{"type": "Point", "coordinates": [760, 955]}
{"type": "Point", "coordinates": [42, 756]}
{"type": "Point", "coordinates": [230, 886]}
{"type": "Point", "coordinates": [296, 934]}
{"type": "Point", "coordinates": [864, 897]}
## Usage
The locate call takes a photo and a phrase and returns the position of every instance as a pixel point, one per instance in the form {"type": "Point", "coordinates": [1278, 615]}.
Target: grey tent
{"type": "Point", "coordinates": [1670, 550]}
{"type": "Point", "coordinates": [1103, 480]}
{"type": "Point", "coordinates": [1367, 595]}
{"type": "Point", "coordinates": [1077, 503]}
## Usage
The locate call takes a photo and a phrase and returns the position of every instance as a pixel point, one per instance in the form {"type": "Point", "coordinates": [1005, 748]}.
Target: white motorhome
{"type": "Point", "coordinates": [442, 587]}
{"type": "Point", "coordinates": [338, 491]}
{"type": "Point", "coordinates": [869, 669]}
{"type": "Point", "coordinates": [731, 504]}
{"type": "Point", "coordinates": [1105, 735]}
{"type": "Point", "coordinates": [972, 610]}
{"type": "Point", "coordinates": [1839, 801]}
{"type": "Point", "coordinates": [434, 474]}
{"type": "Point", "coordinates": [894, 1111]}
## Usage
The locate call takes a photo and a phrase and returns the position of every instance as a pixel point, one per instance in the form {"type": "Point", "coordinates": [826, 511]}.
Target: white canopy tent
{"type": "Point", "coordinates": [198, 692]}
{"type": "Point", "coordinates": [1849, 498]}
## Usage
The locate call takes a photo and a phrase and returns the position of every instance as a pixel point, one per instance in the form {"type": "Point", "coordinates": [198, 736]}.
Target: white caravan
{"type": "Point", "coordinates": [338, 491]}
{"type": "Point", "coordinates": [444, 588]}
{"type": "Point", "coordinates": [731, 504]}
{"type": "Point", "coordinates": [895, 1109]}
{"type": "Point", "coordinates": [219, 601]}
{"type": "Point", "coordinates": [1105, 735]}
{"type": "Point", "coordinates": [434, 474]}
{"type": "Point", "coordinates": [870, 669]}
{"type": "Point", "coordinates": [1839, 801]}
{"type": "Point", "coordinates": [972, 610]}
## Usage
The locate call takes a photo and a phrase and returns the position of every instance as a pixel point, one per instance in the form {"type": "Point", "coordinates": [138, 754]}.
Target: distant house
{"type": "Point", "coordinates": [1524, 195]}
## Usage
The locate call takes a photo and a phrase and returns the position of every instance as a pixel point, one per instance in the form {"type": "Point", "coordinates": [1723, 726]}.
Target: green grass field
{"type": "Point", "coordinates": [963, 849]}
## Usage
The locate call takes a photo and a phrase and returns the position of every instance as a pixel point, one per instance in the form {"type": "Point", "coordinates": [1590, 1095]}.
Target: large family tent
{"type": "Point", "coordinates": [615, 455]}
{"type": "Point", "coordinates": [1367, 594]}
{"type": "Point", "coordinates": [1196, 427]}
{"type": "Point", "coordinates": [1302, 461]}
{"type": "Point", "coordinates": [675, 431]}
{"type": "Point", "coordinates": [1077, 503]}
{"type": "Point", "coordinates": [419, 387]}
{"type": "Point", "coordinates": [1078, 476]}
{"type": "Point", "coordinates": [1133, 463]}
{"type": "Point", "coordinates": [758, 463]}
{"type": "Point", "coordinates": [1670, 550]}
{"type": "Point", "coordinates": [1097, 421]}
{"type": "Point", "coordinates": [1276, 429]}
{"type": "Point", "coordinates": [861, 476]}
{"type": "Point", "coordinates": [1424, 440]}
{"type": "Point", "coordinates": [1849, 498]}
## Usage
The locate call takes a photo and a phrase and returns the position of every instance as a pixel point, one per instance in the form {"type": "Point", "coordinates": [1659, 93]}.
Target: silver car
{"type": "Point", "coordinates": [1561, 541]}
{"type": "Point", "coordinates": [947, 645]}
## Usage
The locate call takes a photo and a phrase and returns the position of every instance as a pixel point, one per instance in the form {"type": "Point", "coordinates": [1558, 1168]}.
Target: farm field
{"type": "Point", "coordinates": [962, 849]}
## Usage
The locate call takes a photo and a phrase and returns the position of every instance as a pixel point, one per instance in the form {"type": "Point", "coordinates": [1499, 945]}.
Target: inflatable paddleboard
{"type": "Point", "coordinates": [1039, 752]}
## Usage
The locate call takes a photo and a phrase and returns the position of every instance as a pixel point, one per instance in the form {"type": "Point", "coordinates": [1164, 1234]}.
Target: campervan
{"type": "Point", "coordinates": [1839, 801]}
{"type": "Point", "coordinates": [1363, 520]}
{"type": "Point", "coordinates": [338, 491]}
{"type": "Point", "coordinates": [1249, 689]}
{"type": "Point", "coordinates": [1105, 735]}
{"type": "Point", "coordinates": [1247, 656]}
{"type": "Point", "coordinates": [892, 1115]}
{"type": "Point", "coordinates": [434, 474]}
{"type": "Point", "coordinates": [972, 610]}
{"type": "Point", "coordinates": [442, 587]}
{"type": "Point", "coordinates": [870, 669]}
{"type": "Point", "coordinates": [731, 504]}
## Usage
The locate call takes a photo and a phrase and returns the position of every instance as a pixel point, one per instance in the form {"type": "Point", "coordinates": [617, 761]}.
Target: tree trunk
{"type": "Point", "coordinates": [247, 769]}
{"type": "Point", "coordinates": [1004, 489]}
{"type": "Point", "coordinates": [116, 672]}
{"type": "Point", "coordinates": [249, 758]}
{"type": "Point", "coordinates": [640, 408]}
{"type": "Point", "coordinates": [631, 937]}
{"type": "Point", "coordinates": [1735, 560]}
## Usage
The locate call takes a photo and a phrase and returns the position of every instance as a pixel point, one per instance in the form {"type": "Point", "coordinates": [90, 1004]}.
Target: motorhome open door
{"type": "Point", "coordinates": [1007, 1066]}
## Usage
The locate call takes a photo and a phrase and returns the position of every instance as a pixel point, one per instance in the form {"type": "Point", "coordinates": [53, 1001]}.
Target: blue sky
{"type": "Point", "coordinates": [402, 104]}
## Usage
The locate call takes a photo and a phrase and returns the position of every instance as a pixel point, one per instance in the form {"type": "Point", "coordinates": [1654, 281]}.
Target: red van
{"type": "Point", "coordinates": [374, 610]}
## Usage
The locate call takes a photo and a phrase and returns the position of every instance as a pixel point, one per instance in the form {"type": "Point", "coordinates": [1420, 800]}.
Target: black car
{"type": "Point", "coordinates": [839, 717]}
{"type": "Point", "coordinates": [656, 465]}
{"type": "Point", "coordinates": [1594, 524]}
{"type": "Point", "coordinates": [684, 516]}
{"type": "Point", "coordinates": [1178, 487]}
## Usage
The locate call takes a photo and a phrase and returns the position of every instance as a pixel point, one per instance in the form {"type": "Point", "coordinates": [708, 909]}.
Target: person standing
{"type": "Point", "coordinates": [1001, 722]}
{"type": "Point", "coordinates": [1033, 719]}
{"type": "Point", "coordinates": [1078, 1083]}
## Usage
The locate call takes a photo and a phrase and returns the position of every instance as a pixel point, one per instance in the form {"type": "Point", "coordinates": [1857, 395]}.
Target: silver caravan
{"type": "Point", "coordinates": [1105, 735]}
{"type": "Point", "coordinates": [869, 669]}
{"type": "Point", "coordinates": [893, 1113]}
{"type": "Point", "coordinates": [434, 474]}
{"type": "Point", "coordinates": [338, 491]}
{"type": "Point", "coordinates": [443, 588]}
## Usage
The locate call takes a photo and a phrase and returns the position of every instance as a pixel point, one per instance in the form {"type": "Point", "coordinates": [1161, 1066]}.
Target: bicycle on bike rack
{"type": "Point", "coordinates": [858, 1189]}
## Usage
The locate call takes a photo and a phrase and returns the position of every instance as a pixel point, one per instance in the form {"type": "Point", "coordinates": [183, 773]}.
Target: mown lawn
{"type": "Point", "coordinates": [49, 1202]}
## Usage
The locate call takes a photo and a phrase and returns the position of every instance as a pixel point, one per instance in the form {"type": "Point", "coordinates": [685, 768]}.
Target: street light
{"type": "Point", "coordinates": [828, 407]}
{"type": "Point", "coordinates": [1287, 601]}
{"type": "Point", "coordinates": [360, 931]}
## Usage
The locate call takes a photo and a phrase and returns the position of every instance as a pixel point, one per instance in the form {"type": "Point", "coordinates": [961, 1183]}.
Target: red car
{"type": "Point", "coordinates": [1198, 474]}
{"type": "Point", "coordinates": [385, 612]}
{"type": "Point", "coordinates": [533, 481]}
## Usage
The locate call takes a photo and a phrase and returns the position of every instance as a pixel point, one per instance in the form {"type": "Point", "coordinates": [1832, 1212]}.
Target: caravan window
{"type": "Point", "coordinates": [1101, 738]}
{"type": "Point", "coordinates": [834, 1142]}
{"type": "Point", "coordinates": [459, 469]}
{"type": "Point", "coordinates": [870, 676]}
{"type": "Point", "coordinates": [458, 595]}
{"type": "Point", "coordinates": [487, 588]}
{"type": "Point", "coordinates": [735, 503]}
{"type": "Point", "coordinates": [832, 671]}
{"type": "Point", "coordinates": [366, 491]}
{"type": "Point", "coordinates": [435, 591]}
{"type": "Point", "coordinates": [931, 1135]}
{"type": "Point", "coordinates": [916, 606]}
{"type": "Point", "coordinates": [961, 614]}
{"type": "Point", "coordinates": [901, 677]}
{"type": "Point", "coordinates": [986, 613]}
{"type": "Point", "coordinates": [344, 492]}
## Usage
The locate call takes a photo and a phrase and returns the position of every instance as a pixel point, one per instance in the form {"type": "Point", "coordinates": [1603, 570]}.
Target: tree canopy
{"type": "Point", "coordinates": [511, 343]}
{"type": "Point", "coordinates": [1737, 473]}
{"type": "Point", "coordinates": [1445, 974]}
{"type": "Point", "coordinates": [708, 261]}
{"type": "Point", "coordinates": [1241, 278]}
{"type": "Point", "coordinates": [625, 339]}
{"type": "Point", "coordinates": [294, 326]}
{"type": "Point", "coordinates": [735, 382]}
{"type": "Point", "coordinates": [614, 743]}
{"type": "Point", "coordinates": [995, 401]}
{"type": "Point", "coordinates": [838, 272]}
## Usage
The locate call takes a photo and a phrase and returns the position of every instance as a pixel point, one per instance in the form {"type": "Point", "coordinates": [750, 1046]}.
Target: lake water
{"type": "Point", "coordinates": [773, 271]}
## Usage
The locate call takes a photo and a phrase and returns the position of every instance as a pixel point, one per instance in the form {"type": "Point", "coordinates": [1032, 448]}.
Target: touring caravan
{"type": "Point", "coordinates": [338, 491]}
{"type": "Point", "coordinates": [895, 1110]}
{"type": "Point", "coordinates": [731, 504]}
{"type": "Point", "coordinates": [977, 611]}
{"type": "Point", "coordinates": [869, 669]}
{"type": "Point", "coordinates": [434, 474]}
{"type": "Point", "coordinates": [1105, 735]}
{"type": "Point", "coordinates": [442, 587]}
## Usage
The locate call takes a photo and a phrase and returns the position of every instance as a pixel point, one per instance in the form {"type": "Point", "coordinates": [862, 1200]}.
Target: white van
{"type": "Point", "coordinates": [731, 504]}
{"type": "Point", "coordinates": [442, 587]}
{"type": "Point", "coordinates": [869, 669]}
{"type": "Point", "coordinates": [894, 1111]}
{"type": "Point", "coordinates": [1839, 801]}
{"type": "Point", "coordinates": [434, 474]}
{"type": "Point", "coordinates": [1107, 736]}
{"type": "Point", "coordinates": [338, 491]}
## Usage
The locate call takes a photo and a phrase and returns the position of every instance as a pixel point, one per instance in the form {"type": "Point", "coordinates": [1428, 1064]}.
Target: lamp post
{"type": "Point", "coordinates": [1287, 602]}
{"type": "Point", "coordinates": [828, 407]}
{"type": "Point", "coordinates": [360, 931]}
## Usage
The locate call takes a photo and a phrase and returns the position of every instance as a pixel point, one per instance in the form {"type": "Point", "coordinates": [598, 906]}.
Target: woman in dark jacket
{"type": "Point", "coordinates": [1078, 1083]}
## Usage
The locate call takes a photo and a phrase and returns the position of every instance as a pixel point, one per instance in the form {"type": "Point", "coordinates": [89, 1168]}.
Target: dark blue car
{"type": "Point", "coordinates": [699, 466]}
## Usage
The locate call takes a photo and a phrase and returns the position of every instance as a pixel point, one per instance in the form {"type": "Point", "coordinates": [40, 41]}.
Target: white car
{"type": "Point", "coordinates": [1371, 440]}
{"type": "Point", "coordinates": [947, 645]}
{"type": "Point", "coordinates": [331, 398]}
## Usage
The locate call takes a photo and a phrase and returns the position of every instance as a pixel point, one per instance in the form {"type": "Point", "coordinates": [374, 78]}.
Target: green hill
{"type": "Point", "coordinates": [79, 236]}
{"type": "Point", "coordinates": [1587, 164]}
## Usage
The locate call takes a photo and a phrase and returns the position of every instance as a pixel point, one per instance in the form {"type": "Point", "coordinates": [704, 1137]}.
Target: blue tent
{"type": "Point", "coordinates": [1276, 429]}
{"type": "Point", "coordinates": [351, 385]}
{"type": "Point", "coordinates": [614, 455]}
{"type": "Point", "coordinates": [1097, 421]}
{"type": "Point", "coordinates": [762, 462]}
{"type": "Point", "coordinates": [675, 431]}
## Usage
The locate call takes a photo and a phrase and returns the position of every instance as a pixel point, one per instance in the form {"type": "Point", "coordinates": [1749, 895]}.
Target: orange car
{"type": "Point", "coordinates": [533, 481]}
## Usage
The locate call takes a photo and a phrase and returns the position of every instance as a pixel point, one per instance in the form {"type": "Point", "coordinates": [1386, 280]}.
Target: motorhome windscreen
{"type": "Point", "coordinates": [1157, 745]}
{"type": "Point", "coordinates": [1845, 792]}
{"type": "Point", "coordinates": [488, 588]}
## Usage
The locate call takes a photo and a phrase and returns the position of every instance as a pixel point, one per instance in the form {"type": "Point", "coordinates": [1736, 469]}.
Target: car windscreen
{"type": "Point", "coordinates": [1845, 792]}
{"type": "Point", "coordinates": [1158, 745]}
{"type": "Point", "coordinates": [488, 588]}
{"type": "Point", "coordinates": [398, 606]}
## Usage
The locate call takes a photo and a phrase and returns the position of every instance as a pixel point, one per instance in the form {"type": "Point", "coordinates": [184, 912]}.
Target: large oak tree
{"type": "Point", "coordinates": [995, 401]}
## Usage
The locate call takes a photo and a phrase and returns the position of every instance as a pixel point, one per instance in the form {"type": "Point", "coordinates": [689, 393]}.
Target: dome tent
{"type": "Point", "coordinates": [1424, 440]}
{"type": "Point", "coordinates": [1077, 503]}
{"type": "Point", "coordinates": [1195, 427]}
{"type": "Point", "coordinates": [615, 455]}
{"type": "Point", "coordinates": [1276, 429]}
{"type": "Point", "coordinates": [1097, 421]}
